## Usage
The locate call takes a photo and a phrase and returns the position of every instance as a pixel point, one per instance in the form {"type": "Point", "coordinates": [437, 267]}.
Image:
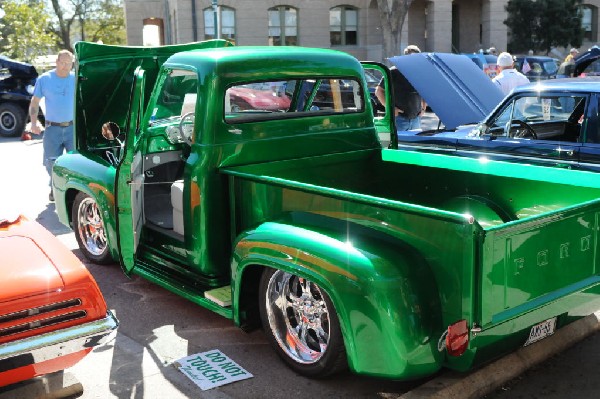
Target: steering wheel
{"type": "Point", "coordinates": [186, 127]}
{"type": "Point", "coordinates": [526, 130]}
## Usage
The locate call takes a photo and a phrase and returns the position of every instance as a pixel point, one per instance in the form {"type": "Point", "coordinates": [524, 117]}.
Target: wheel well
{"type": "Point", "coordinates": [248, 299]}
{"type": "Point", "coordinates": [69, 201]}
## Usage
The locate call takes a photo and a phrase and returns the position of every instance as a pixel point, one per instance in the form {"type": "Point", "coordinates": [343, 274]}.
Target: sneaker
{"type": "Point", "coordinates": [51, 196]}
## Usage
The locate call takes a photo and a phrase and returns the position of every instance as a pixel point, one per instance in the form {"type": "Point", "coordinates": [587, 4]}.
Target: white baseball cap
{"type": "Point", "coordinates": [505, 60]}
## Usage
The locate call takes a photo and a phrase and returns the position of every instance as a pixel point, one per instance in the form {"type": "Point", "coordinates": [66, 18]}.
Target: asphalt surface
{"type": "Point", "coordinates": [158, 327]}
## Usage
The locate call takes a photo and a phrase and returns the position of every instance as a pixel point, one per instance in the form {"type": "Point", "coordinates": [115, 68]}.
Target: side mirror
{"type": "Point", "coordinates": [110, 131]}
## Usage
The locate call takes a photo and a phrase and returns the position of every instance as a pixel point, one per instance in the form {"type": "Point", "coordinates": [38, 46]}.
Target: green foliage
{"type": "Point", "coordinates": [543, 24]}
{"type": "Point", "coordinates": [31, 28]}
{"type": "Point", "coordinates": [107, 23]}
{"type": "Point", "coordinates": [88, 20]}
{"type": "Point", "coordinates": [24, 30]}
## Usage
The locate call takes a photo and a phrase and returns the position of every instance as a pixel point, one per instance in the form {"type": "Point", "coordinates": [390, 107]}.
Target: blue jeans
{"type": "Point", "coordinates": [57, 139]}
{"type": "Point", "coordinates": [403, 124]}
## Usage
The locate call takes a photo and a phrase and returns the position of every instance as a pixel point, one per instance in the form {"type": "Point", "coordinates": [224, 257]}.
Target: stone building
{"type": "Point", "coordinates": [348, 25]}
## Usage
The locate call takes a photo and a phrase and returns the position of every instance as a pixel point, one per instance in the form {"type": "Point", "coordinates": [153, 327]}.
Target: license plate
{"type": "Point", "coordinates": [541, 331]}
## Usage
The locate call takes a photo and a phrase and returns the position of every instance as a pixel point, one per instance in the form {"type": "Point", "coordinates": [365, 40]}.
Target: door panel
{"type": "Point", "coordinates": [130, 180]}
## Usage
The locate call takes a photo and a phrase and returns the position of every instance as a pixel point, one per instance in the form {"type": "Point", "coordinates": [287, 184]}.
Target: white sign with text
{"type": "Point", "coordinates": [211, 369]}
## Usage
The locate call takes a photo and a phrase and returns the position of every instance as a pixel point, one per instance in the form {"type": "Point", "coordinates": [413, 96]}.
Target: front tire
{"type": "Point", "coordinates": [12, 120]}
{"type": "Point", "coordinates": [301, 324]}
{"type": "Point", "coordinates": [89, 229]}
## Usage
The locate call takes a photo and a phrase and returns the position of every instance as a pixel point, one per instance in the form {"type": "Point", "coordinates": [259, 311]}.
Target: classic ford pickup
{"type": "Point", "coordinates": [286, 211]}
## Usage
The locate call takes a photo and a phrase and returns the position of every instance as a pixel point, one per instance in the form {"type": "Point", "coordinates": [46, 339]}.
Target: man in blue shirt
{"type": "Point", "coordinates": [58, 88]}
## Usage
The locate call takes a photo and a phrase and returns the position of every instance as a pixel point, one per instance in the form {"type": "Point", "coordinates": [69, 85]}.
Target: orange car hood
{"type": "Point", "coordinates": [25, 269]}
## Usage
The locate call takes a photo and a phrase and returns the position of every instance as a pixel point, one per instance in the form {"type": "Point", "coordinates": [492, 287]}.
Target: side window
{"type": "Point", "coordinates": [548, 117]}
{"type": "Point", "coordinates": [177, 96]}
{"type": "Point", "coordinates": [292, 98]}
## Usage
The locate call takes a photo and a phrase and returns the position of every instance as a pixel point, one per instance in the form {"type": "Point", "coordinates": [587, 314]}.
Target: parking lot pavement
{"type": "Point", "coordinates": [158, 327]}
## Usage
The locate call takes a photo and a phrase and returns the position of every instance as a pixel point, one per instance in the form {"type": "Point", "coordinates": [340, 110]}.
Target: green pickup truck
{"type": "Point", "coordinates": [251, 180]}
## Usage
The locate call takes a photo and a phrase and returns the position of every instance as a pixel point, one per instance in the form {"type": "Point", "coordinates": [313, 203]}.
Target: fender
{"type": "Point", "coordinates": [94, 178]}
{"type": "Point", "coordinates": [381, 288]}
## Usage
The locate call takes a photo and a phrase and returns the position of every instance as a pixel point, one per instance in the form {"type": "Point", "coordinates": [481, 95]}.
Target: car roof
{"type": "Point", "coordinates": [456, 89]}
{"type": "Point", "coordinates": [586, 58]}
{"type": "Point", "coordinates": [590, 84]}
{"type": "Point", "coordinates": [535, 57]}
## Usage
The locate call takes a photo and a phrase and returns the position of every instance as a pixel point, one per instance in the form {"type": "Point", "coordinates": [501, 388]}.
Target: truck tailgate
{"type": "Point", "coordinates": [530, 263]}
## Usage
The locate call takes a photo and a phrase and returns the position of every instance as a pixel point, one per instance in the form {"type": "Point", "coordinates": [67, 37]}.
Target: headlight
{"type": "Point", "coordinates": [29, 89]}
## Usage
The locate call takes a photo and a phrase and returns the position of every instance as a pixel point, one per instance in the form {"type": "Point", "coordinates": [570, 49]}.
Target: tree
{"type": "Point", "coordinates": [24, 30]}
{"type": "Point", "coordinates": [543, 24]}
{"type": "Point", "coordinates": [392, 14]}
{"type": "Point", "coordinates": [94, 20]}
{"type": "Point", "coordinates": [30, 28]}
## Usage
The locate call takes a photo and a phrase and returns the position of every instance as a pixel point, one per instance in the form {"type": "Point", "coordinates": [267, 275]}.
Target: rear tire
{"type": "Point", "coordinates": [12, 120]}
{"type": "Point", "coordinates": [90, 233]}
{"type": "Point", "coordinates": [301, 324]}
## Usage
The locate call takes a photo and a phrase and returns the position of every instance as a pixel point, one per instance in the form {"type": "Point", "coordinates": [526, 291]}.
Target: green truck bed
{"type": "Point", "coordinates": [506, 246]}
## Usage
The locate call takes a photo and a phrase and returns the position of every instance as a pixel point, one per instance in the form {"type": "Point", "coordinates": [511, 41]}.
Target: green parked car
{"type": "Point", "coordinates": [290, 216]}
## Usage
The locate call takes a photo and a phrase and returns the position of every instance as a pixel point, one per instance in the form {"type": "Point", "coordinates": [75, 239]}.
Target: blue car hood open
{"type": "Point", "coordinates": [454, 87]}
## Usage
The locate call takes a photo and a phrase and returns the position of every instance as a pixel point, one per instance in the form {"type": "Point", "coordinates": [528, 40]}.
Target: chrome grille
{"type": "Point", "coordinates": [68, 315]}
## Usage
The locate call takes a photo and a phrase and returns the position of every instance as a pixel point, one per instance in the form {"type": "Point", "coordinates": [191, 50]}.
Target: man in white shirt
{"type": "Point", "coordinates": [509, 77]}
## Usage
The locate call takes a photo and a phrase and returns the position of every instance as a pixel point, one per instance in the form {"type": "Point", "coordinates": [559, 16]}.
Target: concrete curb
{"type": "Point", "coordinates": [454, 385]}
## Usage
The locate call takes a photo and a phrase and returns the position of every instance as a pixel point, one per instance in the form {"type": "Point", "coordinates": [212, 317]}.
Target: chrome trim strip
{"type": "Point", "coordinates": [61, 342]}
{"type": "Point", "coordinates": [51, 307]}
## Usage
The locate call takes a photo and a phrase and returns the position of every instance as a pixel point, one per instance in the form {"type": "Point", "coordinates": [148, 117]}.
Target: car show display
{"type": "Point", "coordinates": [286, 213]}
{"type": "Point", "coordinates": [551, 122]}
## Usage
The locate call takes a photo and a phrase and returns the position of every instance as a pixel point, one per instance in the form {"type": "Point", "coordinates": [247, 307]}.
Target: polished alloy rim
{"type": "Point", "coordinates": [91, 227]}
{"type": "Point", "coordinates": [298, 317]}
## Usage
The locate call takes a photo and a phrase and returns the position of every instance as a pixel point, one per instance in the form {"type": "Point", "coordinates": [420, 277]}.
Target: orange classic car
{"type": "Point", "coordinates": [52, 312]}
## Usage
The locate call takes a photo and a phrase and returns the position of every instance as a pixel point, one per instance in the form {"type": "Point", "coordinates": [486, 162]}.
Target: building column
{"type": "Point", "coordinates": [494, 32]}
{"type": "Point", "coordinates": [438, 26]}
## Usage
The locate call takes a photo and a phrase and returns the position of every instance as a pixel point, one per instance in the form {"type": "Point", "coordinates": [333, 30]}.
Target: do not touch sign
{"type": "Point", "coordinates": [211, 369]}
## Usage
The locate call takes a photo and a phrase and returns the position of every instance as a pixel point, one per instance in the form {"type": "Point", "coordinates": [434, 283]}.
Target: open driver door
{"type": "Point", "coordinates": [130, 180]}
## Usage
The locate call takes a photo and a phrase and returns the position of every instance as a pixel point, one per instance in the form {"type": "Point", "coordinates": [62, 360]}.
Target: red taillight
{"type": "Point", "coordinates": [457, 338]}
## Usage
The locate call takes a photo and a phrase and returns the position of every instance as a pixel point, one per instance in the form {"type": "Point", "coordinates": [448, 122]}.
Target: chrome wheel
{"type": "Point", "coordinates": [90, 228]}
{"type": "Point", "coordinates": [298, 317]}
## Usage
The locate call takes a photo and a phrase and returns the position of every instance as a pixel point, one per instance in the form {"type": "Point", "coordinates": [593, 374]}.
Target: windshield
{"type": "Point", "coordinates": [177, 96]}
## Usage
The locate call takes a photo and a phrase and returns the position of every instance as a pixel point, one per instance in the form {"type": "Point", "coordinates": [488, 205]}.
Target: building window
{"type": "Point", "coordinates": [226, 16]}
{"type": "Point", "coordinates": [589, 21]}
{"type": "Point", "coordinates": [343, 26]}
{"type": "Point", "coordinates": [283, 26]}
{"type": "Point", "coordinates": [153, 32]}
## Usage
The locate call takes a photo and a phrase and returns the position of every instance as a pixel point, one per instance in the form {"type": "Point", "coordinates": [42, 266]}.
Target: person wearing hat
{"type": "Point", "coordinates": [572, 54]}
{"type": "Point", "coordinates": [509, 77]}
{"type": "Point", "coordinates": [408, 104]}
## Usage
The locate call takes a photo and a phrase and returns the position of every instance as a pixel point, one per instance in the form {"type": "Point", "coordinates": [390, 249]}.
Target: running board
{"type": "Point", "coordinates": [194, 295]}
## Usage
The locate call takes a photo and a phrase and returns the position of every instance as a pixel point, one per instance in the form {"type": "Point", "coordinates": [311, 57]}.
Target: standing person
{"type": "Point", "coordinates": [58, 88]}
{"type": "Point", "coordinates": [408, 103]}
{"type": "Point", "coordinates": [509, 77]}
{"type": "Point", "coordinates": [572, 54]}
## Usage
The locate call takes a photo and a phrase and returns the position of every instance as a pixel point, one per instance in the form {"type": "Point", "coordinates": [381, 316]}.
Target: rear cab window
{"type": "Point", "coordinates": [281, 99]}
